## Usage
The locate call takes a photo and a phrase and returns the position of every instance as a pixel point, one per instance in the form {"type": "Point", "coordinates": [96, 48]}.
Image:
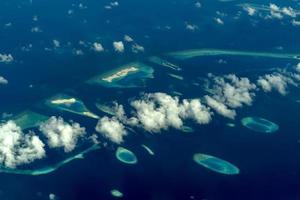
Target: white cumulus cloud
{"type": "Point", "coordinates": [298, 68]}
{"type": "Point", "coordinates": [198, 4]}
{"type": "Point", "coordinates": [191, 27]}
{"type": "Point", "coordinates": [98, 47]}
{"type": "Point", "coordinates": [3, 81]}
{"type": "Point", "coordinates": [159, 111]}
{"type": "Point", "coordinates": [119, 46]}
{"type": "Point", "coordinates": [17, 148]}
{"type": "Point", "coordinates": [56, 43]}
{"type": "Point", "coordinates": [112, 129]}
{"type": "Point", "coordinates": [6, 58]}
{"type": "Point", "coordinates": [127, 38]}
{"type": "Point", "coordinates": [288, 11]}
{"type": "Point", "coordinates": [295, 22]}
{"type": "Point", "coordinates": [232, 90]}
{"type": "Point", "coordinates": [219, 20]}
{"type": "Point", "coordinates": [136, 48]}
{"type": "Point", "coordinates": [219, 107]}
{"type": "Point", "coordinates": [62, 134]}
{"type": "Point", "coordinates": [275, 81]}
{"type": "Point", "coordinates": [250, 10]}
{"type": "Point", "coordinates": [279, 13]}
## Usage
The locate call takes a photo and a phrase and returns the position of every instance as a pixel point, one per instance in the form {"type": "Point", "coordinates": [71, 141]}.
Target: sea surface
{"type": "Point", "coordinates": [269, 164]}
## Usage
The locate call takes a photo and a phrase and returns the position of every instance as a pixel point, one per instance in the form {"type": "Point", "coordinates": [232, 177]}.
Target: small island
{"type": "Point", "coordinates": [127, 76]}
{"type": "Point", "coordinates": [64, 101]}
{"type": "Point", "coordinates": [120, 74]}
{"type": "Point", "coordinates": [68, 103]}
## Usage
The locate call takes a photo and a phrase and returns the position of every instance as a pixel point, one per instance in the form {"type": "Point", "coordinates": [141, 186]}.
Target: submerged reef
{"type": "Point", "coordinates": [259, 124]}
{"type": "Point", "coordinates": [51, 168]}
{"type": "Point", "coordinates": [29, 119]}
{"type": "Point", "coordinates": [187, 54]}
{"type": "Point", "coordinates": [215, 164]}
{"type": "Point", "coordinates": [231, 125]}
{"type": "Point", "coordinates": [187, 129]}
{"type": "Point", "coordinates": [148, 150]}
{"type": "Point", "coordinates": [176, 76]}
{"type": "Point", "coordinates": [126, 156]}
{"type": "Point", "coordinates": [116, 193]}
{"type": "Point", "coordinates": [106, 108]}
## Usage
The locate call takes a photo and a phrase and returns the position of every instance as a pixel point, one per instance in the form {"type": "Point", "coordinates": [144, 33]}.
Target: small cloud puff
{"type": "Point", "coordinates": [3, 81]}
{"type": "Point", "coordinates": [52, 196]}
{"type": "Point", "coordinates": [289, 11]}
{"type": "Point", "coordinates": [6, 58]}
{"type": "Point", "coordinates": [119, 46]}
{"type": "Point", "coordinates": [250, 10]}
{"type": "Point", "coordinates": [219, 21]}
{"type": "Point", "coordinates": [36, 29]}
{"type": "Point", "coordinates": [275, 81]}
{"type": "Point", "coordinates": [280, 80]}
{"type": "Point", "coordinates": [111, 5]}
{"type": "Point", "coordinates": [127, 38]}
{"type": "Point", "coordinates": [56, 43]}
{"type": "Point", "coordinates": [97, 47]}
{"type": "Point", "coordinates": [77, 52]}
{"type": "Point", "coordinates": [137, 48]}
{"type": "Point", "coordinates": [115, 3]}
{"type": "Point", "coordinates": [62, 134]}
{"type": "Point", "coordinates": [279, 13]}
{"type": "Point", "coordinates": [232, 90]}
{"type": "Point", "coordinates": [198, 4]}
{"type": "Point", "coordinates": [298, 68]}
{"type": "Point", "coordinates": [191, 27]}
{"type": "Point", "coordinates": [17, 148]}
{"type": "Point", "coordinates": [219, 107]}
{"type": "Point", "coordinates": [112, 129]}
{"type": "Point", "coordinates": [295, 22]}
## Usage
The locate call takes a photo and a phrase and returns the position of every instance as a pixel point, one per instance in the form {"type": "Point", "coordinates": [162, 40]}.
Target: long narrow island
{"type": "Point", "coordinates": [126, 76]}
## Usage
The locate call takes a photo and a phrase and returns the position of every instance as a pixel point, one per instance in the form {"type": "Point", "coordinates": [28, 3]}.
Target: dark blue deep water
{"type": "Point", "coordinates": [269, 163]}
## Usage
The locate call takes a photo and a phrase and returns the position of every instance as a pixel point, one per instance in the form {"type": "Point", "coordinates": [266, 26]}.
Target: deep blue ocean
{"type": "Point", "coordinates": [269, 163]}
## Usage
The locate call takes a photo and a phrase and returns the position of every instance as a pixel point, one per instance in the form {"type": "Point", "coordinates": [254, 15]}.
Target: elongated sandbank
{"type": "Point", "coordinates": [67, 103]}
{"type": "Point", "coordinates": [163, 62]}
{"type": "Point", "coordinates": [187, 54]}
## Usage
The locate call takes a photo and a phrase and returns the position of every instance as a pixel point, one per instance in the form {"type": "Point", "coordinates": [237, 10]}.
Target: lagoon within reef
{"type": "Point", "coordinates": [152, 100]}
